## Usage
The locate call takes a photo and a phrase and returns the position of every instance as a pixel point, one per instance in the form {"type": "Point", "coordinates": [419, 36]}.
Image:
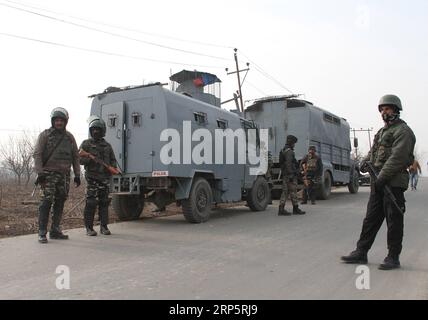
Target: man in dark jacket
{"type": "Point", "coordinates": [312, 170]}
{"type": "Point", "coordinates": [289, 171]}
{"type": "Point", "coordinates": [98, 151]}
{"type": "Point", "coordinates": [54, 154]}
{"type": "Point", "coordinates": [391, 154]}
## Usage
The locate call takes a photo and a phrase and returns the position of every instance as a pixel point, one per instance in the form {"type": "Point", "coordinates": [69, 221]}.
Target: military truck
{"type": "Point", "coordinates": [144, 120]}
{"type": "Point", "coordinates": [283, 115]}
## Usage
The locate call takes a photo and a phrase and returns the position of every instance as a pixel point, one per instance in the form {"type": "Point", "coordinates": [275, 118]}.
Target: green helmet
{"type": "Point", "coordinates": [59, 113]}
{"type": "Point", "coordinates": [390, 100]}
{"type": "Point", "coordinates": [97, 123]}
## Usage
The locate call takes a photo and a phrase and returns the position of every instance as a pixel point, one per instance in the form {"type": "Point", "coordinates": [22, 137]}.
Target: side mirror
{"type": "Point", "coordinates": [355, 142]}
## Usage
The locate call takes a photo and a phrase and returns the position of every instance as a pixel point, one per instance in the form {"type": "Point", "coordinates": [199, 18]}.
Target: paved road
{"type": "Point", "coordinates": [236, 255]}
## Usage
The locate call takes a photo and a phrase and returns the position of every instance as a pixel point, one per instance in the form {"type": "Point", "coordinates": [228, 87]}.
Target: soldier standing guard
{"type": "Point", "coordinates": [289, 170]}
{"type": "Point", "coordinates": [312, 168]}
{"type": "Point", "coordinates": [390, 155]}
{"type": "Point", "coordinates": [99, 153]}
{"type": "Point", "coordinates": [54, 154]}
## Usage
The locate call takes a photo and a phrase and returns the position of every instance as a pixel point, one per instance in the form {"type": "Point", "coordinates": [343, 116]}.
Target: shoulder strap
{"type": "Point", "coordinates": [53, 150]}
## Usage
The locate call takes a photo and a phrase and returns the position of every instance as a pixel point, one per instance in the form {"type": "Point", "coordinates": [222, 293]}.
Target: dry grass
{"type": "Point", "coordinates": [19, 211]}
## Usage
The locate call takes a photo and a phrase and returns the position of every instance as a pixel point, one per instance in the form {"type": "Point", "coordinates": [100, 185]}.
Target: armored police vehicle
{"type": "Point", "coordinates": [284, 115]}
{"type": "Point", "coordinates": [165, 144]}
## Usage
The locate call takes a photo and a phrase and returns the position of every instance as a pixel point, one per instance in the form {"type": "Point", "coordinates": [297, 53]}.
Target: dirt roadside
{"type": "Point", "coordinates": [19, 211]}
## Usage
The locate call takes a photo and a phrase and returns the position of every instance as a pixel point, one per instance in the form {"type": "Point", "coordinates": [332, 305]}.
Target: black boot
{"type": "Point", "coordinates": [104, 230]}
{"type": "Point", "coordinates": [91, 232]}
{"type": "Point", "coordinates": [390, 262]}
{"type": "Point", "coordinates": [282, 211]}
{"type": "Point", "coordinates": [103, 213]}
{"type": "Point", "coordinates": [55, 232]}
{"type": "Point", "coordinates": [88, 215]}
{"type": "Point", "coordinates": [357, 257]}
{"type": "Point", "coordinates": [44, 209]}
{"type": "Point", "coordinates": [296, 210]}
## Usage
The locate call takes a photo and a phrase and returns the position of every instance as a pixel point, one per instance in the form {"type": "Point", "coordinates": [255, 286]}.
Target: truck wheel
{"type": "Point", "coordinates": [197, 208]}
{"type": "Point", "coordinates": [128, 207]}
{"type": "Point", "coordinates": [354, 183]}
{"type": "Point", "coordinates": [325, 187]}
{"type": "Point", "coordinates": [258, 196]}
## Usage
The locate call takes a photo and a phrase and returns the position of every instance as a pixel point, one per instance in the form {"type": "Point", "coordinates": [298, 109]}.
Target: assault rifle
{"type": "Point", "coordinates": [373, 174]}
{"type": "Point", "coordinates": [112, 170]}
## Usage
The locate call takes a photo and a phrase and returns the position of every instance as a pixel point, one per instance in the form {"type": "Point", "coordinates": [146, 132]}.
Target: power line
{"type": "Point", "coordinates": [252, 85]}
{"type": "Point", "coordinates": [104, 52]}
{"type": "Point", "coordinates": [123, 28]}
{"type": "Point", "coordinates": [112, 33]}
{"type": "Point", "coordinates": [267, 75]}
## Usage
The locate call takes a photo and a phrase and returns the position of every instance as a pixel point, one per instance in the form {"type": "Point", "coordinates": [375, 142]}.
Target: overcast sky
{"type": "Point", "coordinates": [342, 55]}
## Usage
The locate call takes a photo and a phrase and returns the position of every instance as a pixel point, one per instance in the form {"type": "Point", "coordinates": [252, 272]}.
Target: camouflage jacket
{"type": "Point", "coordinates": [103, 151]}
{"type": "Point", "coordinates": [62, 155]}
{"type": "Point", "coordinates": [392, 153]}
{"type": "Point", "coordinates": [288, 162]}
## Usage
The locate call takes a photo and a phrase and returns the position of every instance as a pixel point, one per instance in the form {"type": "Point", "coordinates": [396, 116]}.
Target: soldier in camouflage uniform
{"type": "Point", "coordinates": [391, 154]}
{"type": "Point", "coordinates": [289, 170]}
{"type": "Point", "coordinates": [97, 176]}
{"type": "Point", "coordinates": [54, 154]}
{"type": "Point", "coordinates": [312, 167]}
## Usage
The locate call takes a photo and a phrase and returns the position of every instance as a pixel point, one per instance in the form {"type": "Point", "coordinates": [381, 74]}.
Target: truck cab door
{"type": "Point", "coordinates": [113, 115]}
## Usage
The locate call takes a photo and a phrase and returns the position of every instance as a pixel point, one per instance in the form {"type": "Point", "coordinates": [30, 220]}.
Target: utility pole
{"type": "Point", "coordinates": [239, 77]}
{"type": "Point", "coordinates": [369, 130]}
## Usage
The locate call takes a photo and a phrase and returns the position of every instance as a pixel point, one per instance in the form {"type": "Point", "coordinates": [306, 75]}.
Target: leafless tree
{"type": "Point", "coordinates": [17, 156]}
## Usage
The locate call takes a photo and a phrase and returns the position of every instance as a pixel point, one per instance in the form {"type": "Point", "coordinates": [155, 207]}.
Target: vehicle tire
{"type": "Point", "coordinates": [128, 207]}
{"type": "Point", "coordinates": [197, 208]}
{"type": "Point", "coordinates": [258, 197]}
{"type": "Point", "coordinates": [354, 183]}
{"type": "Point", "coordinates": [325, 187]}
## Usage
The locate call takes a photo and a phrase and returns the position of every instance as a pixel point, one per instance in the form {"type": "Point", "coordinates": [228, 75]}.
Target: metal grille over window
{"type": "Point", "coordinates": [112, 120]}
{"type": "Point", "coordinates": [222, 124]}
{"type": "Point", "coordinates": [332, 119]}
{"type": "Point", "coordinates": [200, 117]}
{"type": "Point", "coordinates": [136, 119]}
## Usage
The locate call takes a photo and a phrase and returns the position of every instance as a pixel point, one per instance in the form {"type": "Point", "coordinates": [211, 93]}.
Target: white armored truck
{"type": "Point", "coordinates": [330, 134]}
{"type": "Point", "coordinates": [167, 147]}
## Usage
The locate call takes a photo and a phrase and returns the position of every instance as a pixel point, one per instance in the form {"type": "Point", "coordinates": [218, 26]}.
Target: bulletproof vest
{"type": "Point", "coordinates": [312, 163]}
{"type": "Point", "coordinates": [61, 152]}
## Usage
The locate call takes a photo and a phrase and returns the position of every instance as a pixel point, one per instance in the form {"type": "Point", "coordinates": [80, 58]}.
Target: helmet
{"type": "Point", "coordinates": [97, 123]}
{"type": "Point", "coordinates": [59, 113]}
{"type": "Point", "coordinates": [291, 139]}
{"type": "Point", "coordinates": [390, 100]}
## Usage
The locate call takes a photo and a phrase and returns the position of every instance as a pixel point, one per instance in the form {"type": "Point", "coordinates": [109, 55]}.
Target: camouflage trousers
{"type": "Point", "coordinates": [56, 187]}
{"type": "Point", "coordinates": [55, 192]}
{"type": "Point", "coordinates": [97, 192]}
{"type": "Point", "coordinates": [97, 188]}
{"type": "Point", "coordinates": [289, 188]}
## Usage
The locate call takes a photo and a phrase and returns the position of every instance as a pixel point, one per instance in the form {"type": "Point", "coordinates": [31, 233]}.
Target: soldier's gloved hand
{"type": "Point", "coordinates": [380, 184]}
{"type": "Point", "coordinates": [41, 178]}
{"type": "Point", "coordinates": [77, 181]}
{"type": "Point", "coordinates": [363, 167]}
